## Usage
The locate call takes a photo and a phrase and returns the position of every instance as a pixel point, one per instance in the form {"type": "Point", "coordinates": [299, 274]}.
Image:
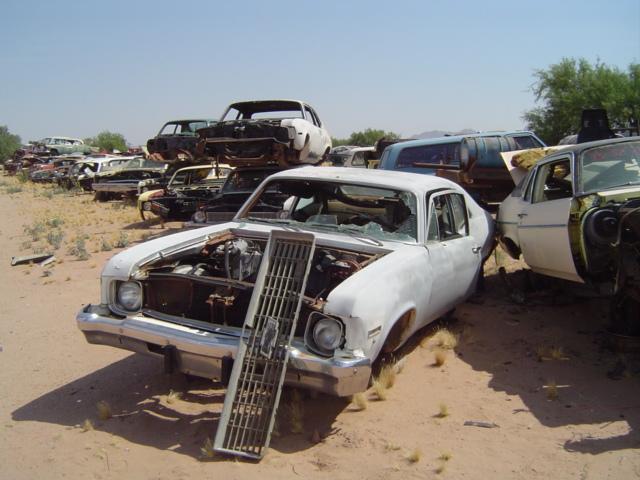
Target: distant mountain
{"type": "Point", "coordinates": [442, 133]}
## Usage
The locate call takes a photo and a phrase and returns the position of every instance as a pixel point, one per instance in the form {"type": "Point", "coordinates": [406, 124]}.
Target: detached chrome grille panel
{"type": "Point", "coordinates": [259, 369]}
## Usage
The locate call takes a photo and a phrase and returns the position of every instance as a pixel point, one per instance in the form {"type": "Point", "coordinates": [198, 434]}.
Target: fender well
{"type": "Point", "coordinates": [398, 333]}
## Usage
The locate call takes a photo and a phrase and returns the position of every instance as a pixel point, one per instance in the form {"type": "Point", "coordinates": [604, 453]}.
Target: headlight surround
{"type": "Point", "coordinates": [324, 334]}
{"type": "Point", "coordinates": [129, 296]}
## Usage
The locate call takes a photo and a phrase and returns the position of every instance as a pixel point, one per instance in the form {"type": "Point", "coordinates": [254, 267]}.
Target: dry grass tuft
{"type": "Point", "coordinates": [445, 457]}
{"type": "Point", "coordinates": [441, 468]}
{"type": "Point", "coordinates": [439, 357]}
{"type": "Point", "coordinates": [360, 401]}
{"type": "Point", "coordinates": [206, 451]}
{"type": "Point", "coordinates": [87, 425]}
{"type": "Point", "coordinates": [443, 410]}
{"type": "Point", "coordinates": [414, 456]}
{"type": "Point", "coordinates": [392, 447]}
{"type": "Point", "coordinates": [379, 390]}
{"type": "Point", "coordinates": [104, 410]}
{"type": "Point", "coordinates": [445, 340]}
{"type": "Point", "coordinates": [387, 376]}
{"type": "Point", "coordinates": [552, 390]}
{"type": "Point", "coordinates": [172, 396]}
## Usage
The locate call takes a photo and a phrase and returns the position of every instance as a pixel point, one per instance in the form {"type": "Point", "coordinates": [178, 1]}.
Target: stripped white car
{"type": "Point", "coordinates": [287, 132]}
{"type": "Point", "coordinates": [393, 251]}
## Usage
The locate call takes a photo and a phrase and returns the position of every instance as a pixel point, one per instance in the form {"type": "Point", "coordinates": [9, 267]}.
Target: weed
{"type": "Point", "coordinates": [68, 279]}
{"type": "Point", "coordinates": [173, 396]}
{"type": "Point", "coordinates": [14, 189]}
{"type": "Point", "coordinates": [439, 357]}
{"type": "Point", "coordinates": [104, 410]}
{"type": "Point", "coordinates": [445, 340]}
{"type": "Point", "coordinates": [414, 456]}
{"type": "Point", "coordinates": [55, 222]}
{"type": "Point", "coordinates": [105, 245]}
{"type": "Point", "coordinates": [22, 176]}
{"type": "Point", "coordinates": [79, 249]}
{"type": "Point", "coordinates": [443, 410]}
{"type": "Point", "coordinates": [48, 194]}
{"type": "Point", "coordinates": [360, 401]}
{"type": "Point", "coordinates": [392, 447]}
{"type": "Point", "coordinates": [26, 245]}
{"type": "Point", "coordinates": [55, 238]}
{"type": "Point", "coordinates": [123, 240]}
{"type": "Point", "coordinates": [380, 390]}
{"type": "Point", "coordinates": [35, 230]}
{"type": "Point", "coordinates": [441, 468]}
{"type": "Point", "coordinates": [87, 425]}
{"type": "Point", "coordinates": [387, 376]}
{"type": "Point", "coordinates": [206, 451]}
{"type": "Point", "coordinates": [445, 457]}
{"type": "Point", "coordinates": [552, 390]}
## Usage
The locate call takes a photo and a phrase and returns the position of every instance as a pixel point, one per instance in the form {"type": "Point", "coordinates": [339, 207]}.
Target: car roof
{"type": "Point", "coordinates": [580, 147]}
{"type": "Point", "coordinates": [189, 120]}
{"type": "Point", "coordinates": [453, 138]}
{"type": "Point", "coordinates": [416, 182]}
{"type": "Point", "coordinates": [264, 105]}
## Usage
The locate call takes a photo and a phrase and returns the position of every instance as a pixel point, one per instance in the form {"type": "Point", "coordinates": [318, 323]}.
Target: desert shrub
{"type": "Point", "coordinates": [14, 189]}
{"type": "Point", "coordinates": [106, 245]}
{"type": "Point", "coordinates": [55, 222]}
{"type": "Point", "coordinates": [54, 238]}
{"type": "Point", "coordinates": [79, 249]}
{"type": "Point", "coordinates": [123, 240]}
{"type": "Point", "coordinates": [35, 230]}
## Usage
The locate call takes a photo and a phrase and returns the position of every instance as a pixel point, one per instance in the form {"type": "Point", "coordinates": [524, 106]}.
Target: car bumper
{"type": "Point", "coordinates": [131, 187]}
{"type": "Point", "coordinates": [205, 353]}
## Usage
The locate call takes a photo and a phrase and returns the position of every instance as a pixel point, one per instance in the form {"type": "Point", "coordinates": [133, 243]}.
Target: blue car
{"type": "Point", "coordinates": [472, 161]}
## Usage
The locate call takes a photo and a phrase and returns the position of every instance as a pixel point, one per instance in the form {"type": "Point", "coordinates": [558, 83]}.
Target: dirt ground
{"type": "Point", "coordinates": [535, 368]}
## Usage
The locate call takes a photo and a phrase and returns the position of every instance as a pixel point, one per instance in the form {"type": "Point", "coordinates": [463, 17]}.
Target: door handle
{"type": "Point", "coordinates": [520, 215]}
{"type": "Point", "coordinates": [476, 249]}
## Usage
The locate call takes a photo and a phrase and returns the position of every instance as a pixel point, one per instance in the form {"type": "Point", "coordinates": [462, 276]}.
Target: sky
{"type": "Point", "coordinates": [75, 68]}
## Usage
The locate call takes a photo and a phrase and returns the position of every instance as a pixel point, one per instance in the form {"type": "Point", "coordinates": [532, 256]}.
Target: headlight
{"type": "Point", "coordinates": [199, 217]}
{"type": "Point", "coordinates": [327, 335]}
{"type": "Point", "coordinates": [129, 296]}
{"type": "Point", "coordinates": [146, 206]}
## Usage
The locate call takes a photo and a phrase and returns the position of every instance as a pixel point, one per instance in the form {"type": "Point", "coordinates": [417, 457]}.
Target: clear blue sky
{"type": "Point", "coordinates": [78, 67]}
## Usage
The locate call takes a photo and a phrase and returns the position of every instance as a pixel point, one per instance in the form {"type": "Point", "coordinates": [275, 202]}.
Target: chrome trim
{"type": "Point", "coordinates": [200, 351]}
{"type": "Point", "coordinates": [563, 225]}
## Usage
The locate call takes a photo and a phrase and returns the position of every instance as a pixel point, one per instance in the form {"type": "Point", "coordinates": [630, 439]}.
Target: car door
{"type": "Point", "coordinates": [454, 253]}
{"type": "Point", "coordinates": [315, 134]}
{"type": "Point", "coordinates": [543, 227]}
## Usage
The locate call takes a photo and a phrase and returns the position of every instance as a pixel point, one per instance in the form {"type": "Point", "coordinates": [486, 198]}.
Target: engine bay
{"type": "Point", "coordinates": [214, 286]}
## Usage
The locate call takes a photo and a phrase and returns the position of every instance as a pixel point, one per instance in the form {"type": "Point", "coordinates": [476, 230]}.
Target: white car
{"type": "Point", "coordinates": [393, 252]}
{"type": "Point", "coordinates": [285, 132]}
{"type": "Point", "coordinates": [576, 216]}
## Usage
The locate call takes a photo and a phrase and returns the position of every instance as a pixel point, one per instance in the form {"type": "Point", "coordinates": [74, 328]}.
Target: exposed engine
{"type": "Point", "coordinates": [215, 285]}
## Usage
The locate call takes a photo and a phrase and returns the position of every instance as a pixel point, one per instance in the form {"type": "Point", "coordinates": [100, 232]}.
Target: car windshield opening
{"type": "Point", "coordinates": [377, 212]}
{"type": "Point", "coordinates": [610, 166]}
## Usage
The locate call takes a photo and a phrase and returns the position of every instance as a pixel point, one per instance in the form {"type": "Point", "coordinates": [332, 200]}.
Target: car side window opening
{"type": "Point", "coordinates": [447, 217]}
{"type": "Point", "coordinates": [524, 142]}
{"type": "Point", "coordinates": [438, 154]}
{"type": "Point", "coordinates": [358, 159]}
{"type": "Point", "coordinates": [553, 181]}
{"type": "Point", "coordinates": [310, 115]}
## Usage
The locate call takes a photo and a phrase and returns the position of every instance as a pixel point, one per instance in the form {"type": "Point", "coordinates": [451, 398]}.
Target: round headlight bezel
{"type": "Point", "coordinates": [129, 296]}
{"type": "Point", "coordinates": [319, 324]}
{"type": "Point", "coordinates": [199, 217]}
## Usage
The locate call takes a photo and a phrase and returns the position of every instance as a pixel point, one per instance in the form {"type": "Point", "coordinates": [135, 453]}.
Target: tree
{"type": "Point", "coordinates": [9, 143]}
{"type": "Point", "coordinates": [568, 87]}
{"type": "Point", "coordinates": [108, 141]}
{"type": "Point", "coordinates": [365, 138]}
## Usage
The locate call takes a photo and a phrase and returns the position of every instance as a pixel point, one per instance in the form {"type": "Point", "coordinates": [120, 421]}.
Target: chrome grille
{"type": "Point", "coordinates": [260, 365]}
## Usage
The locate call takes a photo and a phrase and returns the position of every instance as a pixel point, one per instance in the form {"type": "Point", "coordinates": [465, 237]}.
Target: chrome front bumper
{"type": "Point", "coordinates": [203, 352]}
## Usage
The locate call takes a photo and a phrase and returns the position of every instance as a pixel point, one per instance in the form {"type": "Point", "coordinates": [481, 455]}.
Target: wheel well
{"type": "Point", "coordinates": [397, 333]}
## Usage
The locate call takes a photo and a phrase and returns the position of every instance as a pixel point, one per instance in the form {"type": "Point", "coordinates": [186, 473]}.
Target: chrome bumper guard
{"type": "Point", "coordinates": [203, 352]}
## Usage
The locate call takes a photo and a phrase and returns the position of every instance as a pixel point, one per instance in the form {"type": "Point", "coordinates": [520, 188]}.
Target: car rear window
{"type": "Point", "coordinates": [439, 154]}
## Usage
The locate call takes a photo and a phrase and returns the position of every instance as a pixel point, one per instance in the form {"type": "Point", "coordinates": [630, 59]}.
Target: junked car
{"type": "Point", "coordinates": [393, 252]}
{"type": "Point", "coordinates": [352, 156]}
{"type": "Point", "coordinates": [62, 145]}
{"type": "Point", "coordinates": [237, 188]}
{"type": "Point", "coordinates": [576, 216]}
{"type": "Point", "coordinates": [188, 189]}
{"type": "Point", "coordinates": [177, 139]}
{"type": "Point", "coordinates": [124, 180]}
{"type": "Point", "coordinates": [284, 132]}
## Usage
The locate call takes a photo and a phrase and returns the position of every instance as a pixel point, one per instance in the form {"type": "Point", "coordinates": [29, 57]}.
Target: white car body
{"type": "Point", "coordinates": [402, 284]}
{"type": "Point", "coordinates": [259, 132]}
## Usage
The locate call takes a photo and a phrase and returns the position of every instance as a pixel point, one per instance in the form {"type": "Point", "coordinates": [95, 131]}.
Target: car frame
{"type": "Point", "coordinates": [374, 287]}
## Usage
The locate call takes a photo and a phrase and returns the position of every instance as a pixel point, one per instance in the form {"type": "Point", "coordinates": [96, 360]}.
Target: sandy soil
{"type": "Point", "coordinates": [52, 381]}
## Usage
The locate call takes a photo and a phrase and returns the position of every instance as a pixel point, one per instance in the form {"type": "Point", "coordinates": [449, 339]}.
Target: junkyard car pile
{"type": "Point", "coordinates": [309, 273]}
